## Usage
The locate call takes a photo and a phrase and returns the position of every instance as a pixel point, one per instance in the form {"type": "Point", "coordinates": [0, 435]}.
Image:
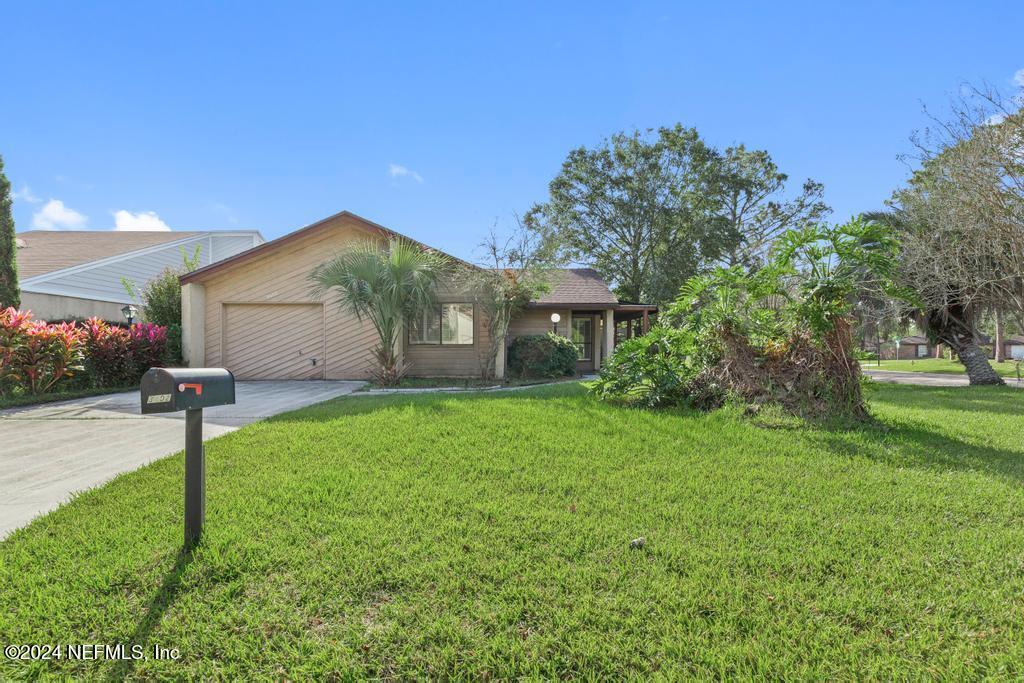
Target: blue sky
{"type": "Point", "coordinates": [437, 121]}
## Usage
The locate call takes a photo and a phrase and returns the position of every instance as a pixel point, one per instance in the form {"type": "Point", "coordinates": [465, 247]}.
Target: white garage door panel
{"type": "Point", "coordinates": [274, 341]}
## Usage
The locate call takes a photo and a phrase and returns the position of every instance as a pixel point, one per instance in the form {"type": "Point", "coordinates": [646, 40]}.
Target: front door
{"type": "Point", "coordinates": [583, 338]}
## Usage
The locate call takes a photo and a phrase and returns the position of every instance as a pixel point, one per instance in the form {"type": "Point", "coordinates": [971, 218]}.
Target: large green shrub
{"type": "Point", "coordinates": [778, 335]}
{"type": "Point", "coordinates": [542, 355]}
{"type": "Point", "coordinates": [161, 298]}
{"type": "Point", "coordinates": [654, 370]}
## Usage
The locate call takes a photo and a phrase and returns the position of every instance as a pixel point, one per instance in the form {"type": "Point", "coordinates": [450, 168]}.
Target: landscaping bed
{"type": "Point", "coordinates": [491, 535]}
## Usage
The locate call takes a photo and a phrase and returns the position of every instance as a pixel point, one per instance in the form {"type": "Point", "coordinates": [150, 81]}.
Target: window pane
{"type": "Point", "coordinates": [457, 323]}
{"type": "Point", "coordinates": [426, 328]}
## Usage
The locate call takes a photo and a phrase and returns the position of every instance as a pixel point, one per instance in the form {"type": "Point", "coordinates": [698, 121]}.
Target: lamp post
{"type": "Point", "coordinates": [129, 312]}
{"type": "Point", "coordinates": [554, 322]}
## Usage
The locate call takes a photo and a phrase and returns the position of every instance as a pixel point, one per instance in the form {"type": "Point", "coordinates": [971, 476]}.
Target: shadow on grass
{"type": "Point", "coordinates": [155, 610]}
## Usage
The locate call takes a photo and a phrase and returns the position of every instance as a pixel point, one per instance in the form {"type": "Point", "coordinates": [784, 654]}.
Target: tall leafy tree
{"type": "Point", "coordinates": [649, 210]}
{"type": "Point", "coordinates": [633, 208]}
{"type": "Point", "coordinates": [10, 295]}
{"type": "Point", "coordinates": [753, 206]}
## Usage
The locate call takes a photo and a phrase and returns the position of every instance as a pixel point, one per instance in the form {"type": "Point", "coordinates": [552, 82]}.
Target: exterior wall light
{"type": "Point", "coordinates": [554, 322]}
{"type": "Point", "coordinates": [129, 312]}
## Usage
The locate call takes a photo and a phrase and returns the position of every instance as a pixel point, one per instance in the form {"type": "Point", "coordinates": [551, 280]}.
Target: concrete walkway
{"type": "Point", "coordinates": [51, 451]}
{"type": "Point", "coordinates": [926, 379]}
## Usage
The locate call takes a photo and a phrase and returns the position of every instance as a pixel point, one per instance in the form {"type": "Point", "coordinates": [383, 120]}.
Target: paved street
{"type": "Point", "coordinates": [927, 379]}
{"type": "Point", "coordinates": [54, 450]}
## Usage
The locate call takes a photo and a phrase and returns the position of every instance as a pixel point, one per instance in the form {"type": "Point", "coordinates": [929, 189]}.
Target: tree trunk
{"type": "Point", "coordinates": [998, 355]}
{"type": "Point", "coordinates": [979, 371]}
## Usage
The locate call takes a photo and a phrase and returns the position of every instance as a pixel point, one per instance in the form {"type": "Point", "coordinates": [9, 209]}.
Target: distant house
{"type": "Point", "coordinates": [1013, 347]}
{"type": "Point", "coordinates": [77, 273]}
{"type": "Point", "coordinates": [909, 348]}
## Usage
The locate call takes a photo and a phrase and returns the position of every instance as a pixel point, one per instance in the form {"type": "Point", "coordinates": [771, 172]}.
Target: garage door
{"type": "Point", "coordinates": [274, 341]}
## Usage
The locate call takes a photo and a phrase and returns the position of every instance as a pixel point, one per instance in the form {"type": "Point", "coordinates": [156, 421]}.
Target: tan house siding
{"type": "Point", "coordinates": [281, 276]}
{"type": "Point", "coordinates": [538, 321]}
{"type": "Point", "coordinates": [452, 360]}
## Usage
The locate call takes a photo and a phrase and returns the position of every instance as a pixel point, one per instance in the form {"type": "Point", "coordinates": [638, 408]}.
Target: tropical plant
{"type": "Point", "coordinates": [778, 334]}
{"type": "Point", "coordinates": [34, 355]}
{"type": "Point", "coordinates": [542, 355]}
{"type": "Point", "coordinates": [387, 284]}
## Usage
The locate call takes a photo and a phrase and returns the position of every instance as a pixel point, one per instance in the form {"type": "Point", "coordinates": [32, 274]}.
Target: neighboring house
{"type": "Point", "coordinates": [77, 273]}
{"type": "Point", "coordinates": [255, 314]}
{"type": "Point", "coordinates": [1013, 347]}
{"type": "Point", "coordinates": [910, 348]}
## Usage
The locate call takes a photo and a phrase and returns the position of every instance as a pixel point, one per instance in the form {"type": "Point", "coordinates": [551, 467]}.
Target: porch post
{"type": "Point", "coordinates": [193, 324]}
{"type": "Point", "coordinates": [646, 324]}
{"type": "Point", "coordinates": [609, 332]}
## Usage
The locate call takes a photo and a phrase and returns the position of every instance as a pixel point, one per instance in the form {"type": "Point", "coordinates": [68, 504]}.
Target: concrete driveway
{"type": "Point", "coordinates": [51, 451]}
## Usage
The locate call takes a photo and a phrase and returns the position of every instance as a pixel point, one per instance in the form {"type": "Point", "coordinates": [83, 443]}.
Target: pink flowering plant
{"type": "Point", "coordinates": [35, 355]}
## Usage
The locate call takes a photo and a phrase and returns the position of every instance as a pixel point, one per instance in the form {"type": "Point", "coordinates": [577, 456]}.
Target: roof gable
{"type": "Point", "coordinates": [331, 222]}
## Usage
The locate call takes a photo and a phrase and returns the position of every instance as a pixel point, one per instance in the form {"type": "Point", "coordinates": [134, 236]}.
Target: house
{"type": "Point", "coordinates": [77, 273]}
{"type": "Point", "coordinates": [1013, 347]}
{"type": "Point", "coordinates": [255, 314]}
{"type": "Point", "coordinates": [909, 348]}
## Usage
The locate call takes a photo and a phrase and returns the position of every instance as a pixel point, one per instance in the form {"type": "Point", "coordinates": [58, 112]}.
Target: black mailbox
{"type": "Point", "coordinates": [168, 390]}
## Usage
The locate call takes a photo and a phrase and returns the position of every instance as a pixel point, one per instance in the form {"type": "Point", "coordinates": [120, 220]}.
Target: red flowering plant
{"type": "Point", "coordinates": [108, 354]}
{"type": "Point", "coordinates": [35, 355]}
{"type": "Point", "coordinates": [149, 345]}
{"type": "Point", "coordinates": [118, 357]}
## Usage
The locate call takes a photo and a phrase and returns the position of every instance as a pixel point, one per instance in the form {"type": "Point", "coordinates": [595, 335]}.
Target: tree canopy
{"type": "Point", "coordinates": [650, 209]}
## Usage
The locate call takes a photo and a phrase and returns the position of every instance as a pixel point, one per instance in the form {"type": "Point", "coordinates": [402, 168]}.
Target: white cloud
{"type": "Point", "coordinates": [399, 171]}
{"type": "Point", "coordinates": [25, 195]}
{"type": "Point", "coordinates": [55, 216]}
{"type": "Point", "coordinates": [995, 119]}
{"type": "Point", "coordinates": [1018, 78]}
{"type": "Point", "coordinates": [143, 220]}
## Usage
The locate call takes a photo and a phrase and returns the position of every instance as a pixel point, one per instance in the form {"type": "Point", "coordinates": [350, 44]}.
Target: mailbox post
{"type": "Point", "coordinates": [168, 390]}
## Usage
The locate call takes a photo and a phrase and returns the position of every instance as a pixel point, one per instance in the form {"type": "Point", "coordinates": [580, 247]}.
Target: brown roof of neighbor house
{"type": "Point", "coordinates": [578, 287]}
{"type": "Point", "coordinates": [45, 251]}
{"type": "Point", "coordinates": [915, 339]}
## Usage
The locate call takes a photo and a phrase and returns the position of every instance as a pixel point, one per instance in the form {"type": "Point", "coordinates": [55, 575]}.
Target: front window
{"type": "Point", "coordinates": [583, 337]}
{"type": "Point", "coordinates": [443, 324]}
{"type": "Point", "coordinates": [922, 350]}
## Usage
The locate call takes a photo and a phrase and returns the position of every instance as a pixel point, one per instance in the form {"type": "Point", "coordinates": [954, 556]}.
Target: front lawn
{"type": "Point", "coordinates": [488, 535]}
{"type": "Point", "coordinates": [939, 365]}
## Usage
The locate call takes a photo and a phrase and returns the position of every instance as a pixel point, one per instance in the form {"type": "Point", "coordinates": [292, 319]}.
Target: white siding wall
{"type": "Point", "coordinates": [102, 281]}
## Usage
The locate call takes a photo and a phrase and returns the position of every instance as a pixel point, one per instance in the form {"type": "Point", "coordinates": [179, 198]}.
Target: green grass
{"type": "Point", "coordinates": [20, 400]}
{"type": "Point", "coordinates": [478, 535]}
{"type": "Point", "coordinates": [939, 365]}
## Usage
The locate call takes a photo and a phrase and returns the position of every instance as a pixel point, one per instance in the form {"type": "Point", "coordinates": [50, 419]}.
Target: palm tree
{"type": "Point", "coordinates": [387, 284]}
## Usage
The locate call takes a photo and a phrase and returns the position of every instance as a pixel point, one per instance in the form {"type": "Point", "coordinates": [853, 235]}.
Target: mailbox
{"type": "Point", "coordinates": [168, 390]}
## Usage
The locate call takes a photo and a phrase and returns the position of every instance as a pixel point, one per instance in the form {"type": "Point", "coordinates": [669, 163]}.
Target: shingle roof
{"type": "Point", "coordinates": [577, 286]}
{"type": "Point", "coordinates": [45, 251]}
{"type": "Point", "coordinates": [915, 339]}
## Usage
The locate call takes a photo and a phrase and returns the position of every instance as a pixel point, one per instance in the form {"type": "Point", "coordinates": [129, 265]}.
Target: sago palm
{"type": "Point", "coordinates": [386, 283]}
